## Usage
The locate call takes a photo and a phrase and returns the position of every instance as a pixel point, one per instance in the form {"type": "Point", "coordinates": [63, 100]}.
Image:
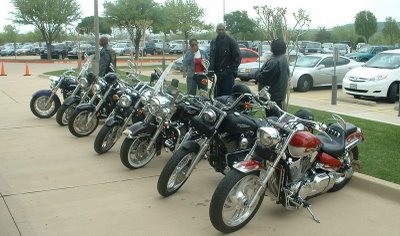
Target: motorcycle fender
{"type": "Point", "coordinates": [71, 99]}
{"type": "Point", "coordinates": [248, 166]}
{"type": "Point", "coordinates": [140, 127]}
{"type": "Point", "coordinates": [111, 121]}
{"type": "Point", "coordinates": [86, 106]}
{"type": "Point", "coordinates": [191, 145]}
{"type": "Point", "coordinates": [47, 92]}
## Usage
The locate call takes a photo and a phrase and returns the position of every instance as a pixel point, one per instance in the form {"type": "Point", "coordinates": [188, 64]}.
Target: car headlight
{"type": "Point", "coordinates": [209, 116]}
{"type": "Point", "coordinates": [124, 101]}
{"type": "Point", "coordinates": [83, 83]}
{"type": "Point", "coordinates": [268, 136]}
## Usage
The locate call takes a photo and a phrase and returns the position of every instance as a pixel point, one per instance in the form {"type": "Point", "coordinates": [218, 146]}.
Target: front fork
{"type": "Point", "coordinates": [204, 144]}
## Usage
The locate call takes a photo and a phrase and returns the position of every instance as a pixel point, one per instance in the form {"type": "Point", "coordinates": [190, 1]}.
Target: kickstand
{"type": "Point", "coordinates": [307, 206]}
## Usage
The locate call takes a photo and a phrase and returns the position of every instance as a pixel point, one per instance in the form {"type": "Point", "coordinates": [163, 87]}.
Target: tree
{"type": "Point", "coordinates": [48, 16]}
{"type": "Point", "coordinates": [239, 24]}
{"type": "Point", "coordinates": [365, 24]}
{"type": "Point", "coordinates": [323, 35]}
{"type": "Point", "coordinates": [87, 26]}
{"type": "Point", "coordinates": [134, 16]}
{"type": "Point", "coordinates": [187, 18]}
{"type": "Point", "coordinates": [391, 29]}
{"type": "Point", "coordinates": [10, 34]}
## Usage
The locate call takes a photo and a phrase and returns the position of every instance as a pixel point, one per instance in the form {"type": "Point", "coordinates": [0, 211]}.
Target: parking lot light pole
{"type": "Point", "coordinates": [334, 77]}
{"type": "Point", "coordinates": [96, 36]}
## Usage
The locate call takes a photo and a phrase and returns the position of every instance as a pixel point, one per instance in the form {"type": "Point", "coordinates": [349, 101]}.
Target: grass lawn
{"type": "Point", "coordinates": [379, 154]}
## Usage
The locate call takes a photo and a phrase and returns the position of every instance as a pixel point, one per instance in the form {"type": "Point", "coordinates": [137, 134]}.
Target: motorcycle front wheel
{"type": "Point", "coordinates": [173, 175]}
{"type": "Point", "coordinates": [64, 113]}
{"type": "Point", "coordinates": [134, 154]}
{"type": "Point", "coordinates": [230, 207]}
{"type": "Point", "coordinates": [80, 124]}
{"type": "Point", "coordinates": [41, 108]}
{"type": "Point", "coordinates": [106, 138]}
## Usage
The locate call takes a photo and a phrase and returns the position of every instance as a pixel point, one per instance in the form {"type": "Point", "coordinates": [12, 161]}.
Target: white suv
{"type": "Point", "coordinates": [379, 77]}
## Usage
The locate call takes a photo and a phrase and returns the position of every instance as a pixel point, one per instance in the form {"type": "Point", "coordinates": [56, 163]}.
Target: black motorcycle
{"type": "Point", "coordinates": [167, 121]}
{"type": "Point", "coordinates": [226, 131]}
{"type": "Point", "coordinates": [85, 118]}
{"type": "Point", "coordinates": [81, 94]}
{"type": "Point", "coordinates": [45, 103]}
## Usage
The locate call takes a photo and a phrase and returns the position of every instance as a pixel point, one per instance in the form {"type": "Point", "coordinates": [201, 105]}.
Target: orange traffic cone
{"type": "Point", "coordinates": [2, 73]}
{"type": "Point", "coordinates": [27, 70]}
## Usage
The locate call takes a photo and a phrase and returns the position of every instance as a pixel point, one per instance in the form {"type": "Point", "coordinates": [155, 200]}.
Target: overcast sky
{"type": "Point", "coordinates": [322, 13]}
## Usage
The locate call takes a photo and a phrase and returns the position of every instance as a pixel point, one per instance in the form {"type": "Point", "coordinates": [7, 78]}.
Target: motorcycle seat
{"type": "Point", "coordinates": [334, 145]}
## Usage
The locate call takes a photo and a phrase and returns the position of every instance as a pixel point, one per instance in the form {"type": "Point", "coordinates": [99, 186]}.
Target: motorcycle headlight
{"type": "Point", "coordinates": [96, 89]}
{"type": "Point", "coordinates": [145, 98]}
{"type": "Point", "coordinates": [83, 83]}
{"type": "Point", "coordinates": [209, 116]}
{"type": "Point", "coordinates": [54, 81]}
{"type": "Point", "coordinates": [159, 106]}
{"type": "Point", "coordinates": [268, 136]}
{"type": "Point", "coordinates": [124, 101]}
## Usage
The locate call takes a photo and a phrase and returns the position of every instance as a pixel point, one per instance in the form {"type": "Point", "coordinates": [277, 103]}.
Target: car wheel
{"type": "Point", "coordinates": [304, 84]}
{"type": "Point", "coordinates": [392, 93]}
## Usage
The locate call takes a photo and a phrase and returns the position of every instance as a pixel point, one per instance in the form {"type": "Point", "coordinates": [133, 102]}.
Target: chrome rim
{"type": "Point", "coordinates": [178, 177]}
{"type": "Point", "coordinates": [341, 176]}
{"type": "Point", "coordinates": [67, 113]}
{"type": "Point", "coordinates": [83, 125]}
{"type": "Point", "coordinates": [111, 138]}
{"type": "Point", "coordinates": [138, 154]}
{"type": "Point", "coordinates": [44, 108]}
{"type": "Point", "coordinates": [237, 207]}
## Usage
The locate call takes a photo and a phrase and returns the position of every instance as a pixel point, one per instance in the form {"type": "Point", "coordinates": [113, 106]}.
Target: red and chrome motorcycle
{"type": "Point", "coordinates": [293, 160]}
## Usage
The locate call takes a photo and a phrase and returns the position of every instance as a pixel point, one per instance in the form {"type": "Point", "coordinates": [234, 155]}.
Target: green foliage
{"type": "Point", "coordinates": [10, 33]}
{"type": "Point", "coordinates": [391, 30]}
{"type": "Point", "coordinates": [134, 16]}
{"type": "Point", "coordinates": [48, 16]}
{"type": "Point", "coordinates": [344, 33]}
{"type": "Point", "coordinates": [86, 26]}
{"type": "Point", "coordinates": [379, 152]}
{"type": "Point", "coordinates": [239, 24]}
{"type": "Point", "coordinates": [365, 24]}
{"type": "Point", "coordinates": [323, 35]}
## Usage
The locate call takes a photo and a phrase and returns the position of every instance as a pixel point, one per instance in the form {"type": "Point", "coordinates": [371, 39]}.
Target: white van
{"type": "Point", "coordinates": [379, 77]}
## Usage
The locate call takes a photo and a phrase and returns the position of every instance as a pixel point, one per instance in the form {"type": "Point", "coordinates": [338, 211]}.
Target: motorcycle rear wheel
{"type": "Point", "coordinates": [79, 125]}
{"type": "Point", "coordinates": [41, 109]}
{"type": "Point", "coordinates": [229, 207]}
{"type": "Point", "coordinates": [64, 113]}
{"type": "Point", "coordinates": [343, 180]}
{"type": "Point", "coordinates": [106, 138]}
{"type": "Point", "coordinates": [173, 175]}
{"type": "Point", "coordinates": [133, 152]}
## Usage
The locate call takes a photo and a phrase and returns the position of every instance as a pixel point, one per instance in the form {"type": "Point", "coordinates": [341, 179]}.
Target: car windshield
{"type": "Point", "coordinates": [307, 61]}
{"type": "Point", "coordinates": [384, 61]}
{"type": "Point", "coordinates": [365, 49]}
{"type": "Point", "coordinates": [120, 45]}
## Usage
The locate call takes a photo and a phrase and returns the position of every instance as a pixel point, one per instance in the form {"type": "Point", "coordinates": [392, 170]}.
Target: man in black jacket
{"type": "Point", "coordinates": [224, 60]}
{"type": "Point", "coordinates": [107, 57]}
{"type": "Point", "coordinates": [275, 74]}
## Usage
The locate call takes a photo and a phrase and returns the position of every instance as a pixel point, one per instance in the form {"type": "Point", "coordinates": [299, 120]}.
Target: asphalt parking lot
{"type": "Point", "coordinates": [52, 183]}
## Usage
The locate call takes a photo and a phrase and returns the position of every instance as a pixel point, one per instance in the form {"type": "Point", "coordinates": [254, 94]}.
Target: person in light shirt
{"type": "Point", "coordinates": [194, 69]}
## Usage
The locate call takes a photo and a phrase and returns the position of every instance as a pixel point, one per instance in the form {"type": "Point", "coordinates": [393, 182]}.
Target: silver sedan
{"type": "Point", "coordinates": [317, 70]}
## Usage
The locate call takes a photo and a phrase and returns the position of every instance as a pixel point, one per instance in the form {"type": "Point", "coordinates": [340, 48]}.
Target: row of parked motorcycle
{"type": "Point", "coordinates": [290, 159]}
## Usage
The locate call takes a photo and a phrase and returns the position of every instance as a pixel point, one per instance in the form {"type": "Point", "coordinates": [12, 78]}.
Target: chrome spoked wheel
{"type": "Point", "coordinates": [42, 107]}
{"type": "Point", "coordinates": [178, 176]}
{"type": "Point", "coordinates": [134, 153]}
{"type": "Point", "coordinates": [82, 123]}
{"type": "Point", "coordinates": [106, 138]}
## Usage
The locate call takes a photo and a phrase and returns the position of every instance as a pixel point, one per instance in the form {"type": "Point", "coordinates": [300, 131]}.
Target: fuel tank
{"type": "Point", "coordinates": [303, 143]}
{"type": "Point", "coordinates": [237, 123]}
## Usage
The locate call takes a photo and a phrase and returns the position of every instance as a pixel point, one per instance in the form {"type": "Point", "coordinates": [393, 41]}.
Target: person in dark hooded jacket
{"type": "Point", "coordinates": [275, 74]}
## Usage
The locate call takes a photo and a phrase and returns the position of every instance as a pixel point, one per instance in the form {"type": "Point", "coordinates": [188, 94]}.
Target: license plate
{"type": "Point", "coordinates": [353, 86]}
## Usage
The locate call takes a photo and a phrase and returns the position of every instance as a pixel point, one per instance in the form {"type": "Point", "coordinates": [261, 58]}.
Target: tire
{"type": "Point", "coordinates": [106, 138]}
{"type": "Point", "coordinates": [342, 181]}
{"type": "Point", "coordinates": [244, 79]}
{"type": "Point", "coordinates": [357, 96]}
{"type": "Point", "coordinates": [239, 188]}
{"type": "Point", "coordinates": [133, 152]}
{"type": "Point", "coordinates": [41, 109]}
{"type": "Point", "coordinates": [77, 123]}
{"type": "Point", "coordinates": [173, 175]}
{"type": "Point", "coordinates": [392, 93]}
{"type": "Point", "coordinates": [64, 113]}
{"type": "Point", "coordinates": [304, 83]}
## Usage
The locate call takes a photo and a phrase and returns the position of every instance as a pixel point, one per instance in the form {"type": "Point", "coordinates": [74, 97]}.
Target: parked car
{"type": "Point", "coordinates": [7, 51]}
{"type": "Point", "coordinates": [327, 48]}
{"type": "Point", "coordinates": [302, 46]}
{"type": "Point", "coordinates": [161, 46]}
{"type": "Point", "coordinates": [316, 70]}
{"type": "Point", "coordinates": [367, 52]}
{"type": "Point", "coordinates": [150, 48]}
{"type": "Point", "coordinates": [178, 64]}
{"type": "Point", "coordinates": [86, 48]}
{"type": "Point", "coordinates": [121, 48]}
{"type": "Point", "coordinates": [248, 55]}
{"type": "Point", "coordinates": [379, 77]}
{"type": "Point", "coordinates": [342, 48]}
{"type": "Point", "coordinates": [177, 49]}
{"type": "Point", "coordinates": [312, 47]}
{"type": "Point", "coordinates": [25, 50]}
{"type": "Point", "coordinates": [58, 51]}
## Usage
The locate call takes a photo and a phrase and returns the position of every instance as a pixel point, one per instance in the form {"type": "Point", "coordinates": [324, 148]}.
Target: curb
{"type": "Point", "coordinates": [379, 187]}
{"type": "Point", "coordinates": [356, 101]}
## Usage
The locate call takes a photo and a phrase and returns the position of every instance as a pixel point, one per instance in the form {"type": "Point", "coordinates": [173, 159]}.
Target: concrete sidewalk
{"type": "Point", "coordinates": [52, 183]}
